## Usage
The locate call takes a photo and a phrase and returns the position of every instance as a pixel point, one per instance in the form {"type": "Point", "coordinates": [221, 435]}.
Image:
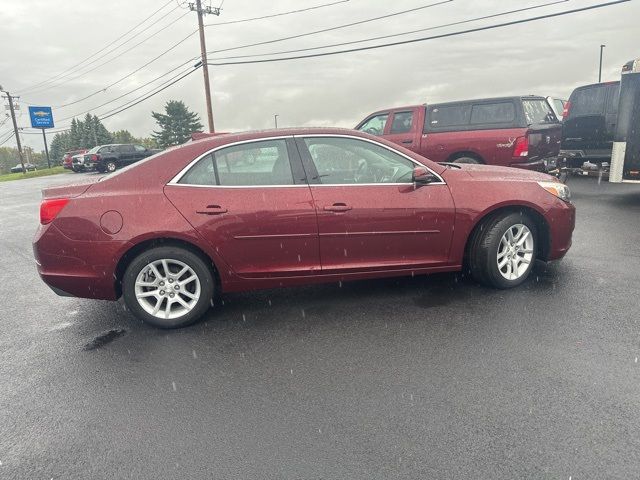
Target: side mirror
{"type": "Point", "coordinates": [422, 176]}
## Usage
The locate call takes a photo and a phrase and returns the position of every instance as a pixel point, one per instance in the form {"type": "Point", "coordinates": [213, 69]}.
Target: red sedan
{"type": "Point", "coordinates": [290, 207]}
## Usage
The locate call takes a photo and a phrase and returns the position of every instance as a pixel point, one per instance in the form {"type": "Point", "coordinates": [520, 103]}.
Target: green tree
{"type": "Point", "coordinates": [60, 144]}
{"type": "Point", "coordinates": [123, 136]}
{"type": "Point", "coordinates": [176, 124]}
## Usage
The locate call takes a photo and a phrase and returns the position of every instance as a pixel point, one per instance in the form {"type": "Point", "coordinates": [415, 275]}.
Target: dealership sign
{"type": "Point", "coordinates": [41, 117]}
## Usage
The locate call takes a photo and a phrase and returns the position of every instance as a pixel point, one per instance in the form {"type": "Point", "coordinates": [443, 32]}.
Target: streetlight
{"type": "Point", "coordinates": [600, 70]}
{"type": "Point", "coordinates": [275, 119]}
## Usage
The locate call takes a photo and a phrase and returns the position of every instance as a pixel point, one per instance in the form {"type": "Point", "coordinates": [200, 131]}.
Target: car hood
{"type": "Point", "coordinates": [507, 174]}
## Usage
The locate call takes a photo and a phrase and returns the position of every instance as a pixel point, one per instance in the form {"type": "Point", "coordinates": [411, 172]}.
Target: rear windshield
{"type": "Point", "coordinates": [538, 112]}
{"type": "Point", "coordinates": [588, 101]}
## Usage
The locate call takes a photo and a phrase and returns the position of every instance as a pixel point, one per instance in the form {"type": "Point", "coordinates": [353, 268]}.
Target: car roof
{"type": "Point", "coordinates": [219, 140]}
{"type": "Point", "coordinates": [601, 84]}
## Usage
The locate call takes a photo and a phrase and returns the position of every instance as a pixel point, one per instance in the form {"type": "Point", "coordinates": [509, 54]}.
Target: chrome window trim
{"type": "Point", "coordinates": [176, 179]}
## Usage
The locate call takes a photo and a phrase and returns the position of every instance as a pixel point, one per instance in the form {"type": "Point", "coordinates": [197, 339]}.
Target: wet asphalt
{"type": "Point", "coordinates": [416, 378]}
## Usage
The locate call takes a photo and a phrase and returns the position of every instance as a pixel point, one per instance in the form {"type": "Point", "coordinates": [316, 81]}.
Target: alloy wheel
{"type": "Point", "coordinates": [167, 288]}
{"type": "Point", "coordinates": [515, 252]}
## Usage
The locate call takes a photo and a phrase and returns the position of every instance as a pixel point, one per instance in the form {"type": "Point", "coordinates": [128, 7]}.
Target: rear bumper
{"type": "Point", "coordinates": [575, 158]}
{"type": "Point", "coordinates": [77, 268]}
{"type": "Point", "coordinates": [561, 219]}
{"type": "Point", "coordinates": [540, 165]}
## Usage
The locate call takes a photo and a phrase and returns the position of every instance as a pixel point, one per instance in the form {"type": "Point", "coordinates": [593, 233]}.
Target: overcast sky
{"type": "Point", "coordinates": [42, 38]}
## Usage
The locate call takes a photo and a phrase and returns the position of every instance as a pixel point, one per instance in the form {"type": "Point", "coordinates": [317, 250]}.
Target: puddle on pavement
{"type": "Point", "coordinates": [104, 339]}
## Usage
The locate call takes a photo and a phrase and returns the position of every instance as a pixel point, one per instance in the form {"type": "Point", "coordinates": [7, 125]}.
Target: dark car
{"type": "Point", "coordinates": [108, 158]}
{"type": "Point", "coordinates": [67, 159]}
{"type": "Point", "coordinates": [590, 118]}
{"type": "Point", "coordinates": [28, 167]}
{"type": "Point", "coordinates": [518, 132]}
{"type": "Point", "coordinates": [291, 207]}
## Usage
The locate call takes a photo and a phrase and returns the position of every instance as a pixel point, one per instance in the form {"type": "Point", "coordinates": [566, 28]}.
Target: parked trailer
{"type": "Point", "coordinates": [625, 158]}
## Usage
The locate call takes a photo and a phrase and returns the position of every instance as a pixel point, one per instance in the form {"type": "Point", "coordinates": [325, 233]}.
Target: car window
{"type": "Point", "coordinates": [202, 173]}
{"type": "Point", "coordinates": [559, 104]}
{"type": "Point", "coordinates": [588, 101]}
{"type": "Point", "coordinates": [538, 111]}
{"type": "Point", "coordinates": [139, 148]}
{"type": "Point", "coordinates": [126, 148]}
{"type": "Point", "coordinates": [105, 150]}
{"type": "Point", "coordinates": [250, 164]}
{"type": "Point", "coordinates": [375, 125]}
{"type": "Point", "coordinates": [502, 112]}
{"type": "Point", "coordinates": [401, 122]}
{"type": "Point", "coordinates": [347, 161]}
{"type": "Point", "coordinates": [613, 98]}
{"type": "Point", "coordinates": [448, 116]}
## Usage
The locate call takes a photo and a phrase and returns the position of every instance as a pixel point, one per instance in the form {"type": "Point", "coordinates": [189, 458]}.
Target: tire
{"type": "Point", "coordinates": [110, 167]}
{"type": "Point", "coordinates": [467, 160]}
{"type": "Point", "coordinates": [491, 246]}
{"type": "Point", "coordinates": [158, 285]}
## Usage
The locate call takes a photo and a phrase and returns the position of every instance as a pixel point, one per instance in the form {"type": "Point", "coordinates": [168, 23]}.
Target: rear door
{"type": "Point", "coordinates": [544, 128]}
{"type": "Point", "coordinates": [403, 128]}
{"type": "Point", "coordinates": [439, 137]}
{"type": "Point", "coordinates": [370, 214]}
{"type": "Point", "coordinates": [251, 202]}
{"type": "Point", "coordinates": [127, 154]}
{"type": "Point", "coordinates": [139, 152]}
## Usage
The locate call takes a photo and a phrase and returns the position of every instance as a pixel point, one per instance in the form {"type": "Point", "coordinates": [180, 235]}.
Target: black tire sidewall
{"type": "Point", "coordinates": [485, 256]}
{"type": "Point", "coordinates": [194, 261]}
{"type": "Point", "coordinates": [467, 160]}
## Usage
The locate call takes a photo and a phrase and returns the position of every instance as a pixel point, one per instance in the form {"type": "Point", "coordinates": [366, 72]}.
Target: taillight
{"type": "Point", "coordinates": [565, 110]}
{"type": "Point", "coordinates": [521, 147]}
{"type": "Point", "coordinates": [49, 209]}
{"type": "Point", "coordinates": [94, 157]}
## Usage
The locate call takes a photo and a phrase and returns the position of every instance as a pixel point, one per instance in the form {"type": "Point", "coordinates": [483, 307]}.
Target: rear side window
{"type": "Point", "coordinates": [375, 125]}
{"type": "Point", "coordinates": [442, 117]}
{"type": "Point", "coordinates": [502, 112]}
{"type": "Point", "coordinates": [588, 101]}
{"type": "Point", "coordinates": [538, 111]}
{"type": "Point", "coordinates": [402, 122]}
{"type": "Point", "coordinates": [251, 164]}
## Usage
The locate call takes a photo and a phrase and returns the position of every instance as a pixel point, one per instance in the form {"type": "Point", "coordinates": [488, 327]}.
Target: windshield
{"type": "Point", "coordinates": [94, 149]}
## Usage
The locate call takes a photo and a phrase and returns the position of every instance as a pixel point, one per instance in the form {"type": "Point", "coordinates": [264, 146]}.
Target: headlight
{"type": "Point", "coordinates": [557, 189]}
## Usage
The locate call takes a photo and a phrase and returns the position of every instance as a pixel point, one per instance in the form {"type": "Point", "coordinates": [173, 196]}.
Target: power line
{"type": "Point", "coordinates": [8, 138]}
{"type": "Point", "coordinates": [470, 20]}
{"type": "Point", "coordinates": [99, 51]}
{"type": "Point", "coordinates": [337, 27]}
{"type": "Point", "coordinates": [63, 81]}
{"type": "Point", "coordinates": [281, 14]}
{"type": "Point", "coordinates": [422, 39]}
{"type": "Point", "coordinates": [103, 89]}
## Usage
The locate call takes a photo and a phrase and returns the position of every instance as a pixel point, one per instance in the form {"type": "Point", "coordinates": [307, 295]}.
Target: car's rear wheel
{"type": "Point", "coordinates": [503, 250]}
{"type": "Point", "coordinates": [168, 287]}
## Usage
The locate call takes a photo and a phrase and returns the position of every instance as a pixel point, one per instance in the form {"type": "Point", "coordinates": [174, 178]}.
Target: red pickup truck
{"type": "Point", "coordinates": [518, 132]}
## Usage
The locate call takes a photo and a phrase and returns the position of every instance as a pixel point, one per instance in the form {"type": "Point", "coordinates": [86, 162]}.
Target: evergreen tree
{"type": "Point", "coordinates": [60, 144]}
{"type": "Point", "coordinates": [176, 124]}
{"type": "Point", "coordinates": [102, 135]}
{"type": "Point", "coordinates": [123, 136]}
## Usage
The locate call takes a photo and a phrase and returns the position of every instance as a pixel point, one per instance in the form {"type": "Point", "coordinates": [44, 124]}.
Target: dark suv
{"type": "Point", "coordinates": [108, 158]}
{"type": "Point", "coordinates": [519, 132]}
{"type": "Point", "coordinates": [590, 118]}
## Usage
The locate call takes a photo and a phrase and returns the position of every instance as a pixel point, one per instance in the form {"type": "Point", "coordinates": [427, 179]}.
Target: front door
{"type": "Point", "coordinates": [252, 204]}
{"type": "Point", "coordinates": [370, 214]}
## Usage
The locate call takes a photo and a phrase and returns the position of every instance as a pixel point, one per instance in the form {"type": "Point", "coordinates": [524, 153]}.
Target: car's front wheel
{"type": "Point", "coordinates": [110, 167]}
{"type": "Point", "coordinates": [168, 287]}
{"type": "Point", "coordinates": [503, 250]}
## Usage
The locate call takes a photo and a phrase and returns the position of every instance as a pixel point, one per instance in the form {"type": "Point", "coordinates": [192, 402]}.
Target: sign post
{"type": "Point", "coordinates": [42, 118]}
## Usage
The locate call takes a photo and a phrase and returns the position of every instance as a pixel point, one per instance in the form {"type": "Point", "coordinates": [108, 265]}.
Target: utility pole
{"type": "Point", "coordinates": [600, 70]}
{"type": "Point", "coordinates": [15, 125]}
{"type": "Point", "coordinates": [197, 6]}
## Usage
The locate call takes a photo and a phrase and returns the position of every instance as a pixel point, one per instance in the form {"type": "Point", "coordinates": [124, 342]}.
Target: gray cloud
{"type": "Point", "coordinates": [42, 38]}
